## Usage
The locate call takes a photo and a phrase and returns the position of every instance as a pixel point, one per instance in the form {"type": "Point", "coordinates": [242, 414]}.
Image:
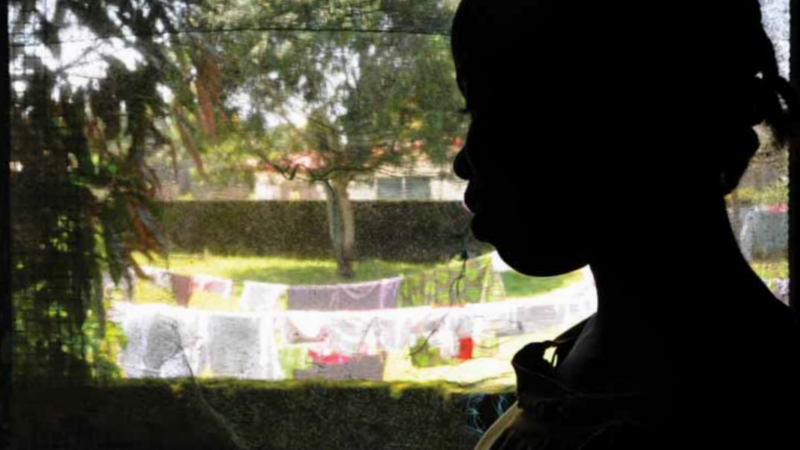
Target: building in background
{"type": "Point", "coordinates": [423, 181]}
{"type": "Point", "coordinates": [418, 178]}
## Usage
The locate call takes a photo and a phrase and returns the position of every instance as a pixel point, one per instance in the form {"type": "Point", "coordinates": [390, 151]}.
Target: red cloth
{"type": "Point", "coordinates": [465, 347]}
{"type": "Point", "coordinates": [334, 358]}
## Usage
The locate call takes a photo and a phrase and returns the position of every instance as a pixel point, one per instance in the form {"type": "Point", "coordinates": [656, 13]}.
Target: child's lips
{"type": "Point", "coordinates": [472, 197]}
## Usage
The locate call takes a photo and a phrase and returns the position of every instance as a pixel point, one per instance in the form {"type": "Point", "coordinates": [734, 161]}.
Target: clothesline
{"type": "Point", "coordinates": [472, 282]}
{"type": "Point", "coordinates": [170, 341]}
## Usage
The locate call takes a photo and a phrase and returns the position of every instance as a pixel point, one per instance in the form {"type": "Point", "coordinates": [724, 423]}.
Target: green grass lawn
{"type": "Point", "coordinates": [769, 270]}
{"type": "Point", "coordinates": [518, 285]}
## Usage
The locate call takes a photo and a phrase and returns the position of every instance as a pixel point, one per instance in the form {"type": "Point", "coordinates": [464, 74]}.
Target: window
{"type": "Point", "coordinates": [390, 188]}
{"type": "Point", "coordinates": [197, 193]}
{"type": "Point", "coordinates": [417, 188]}
{"type": "Point", "coordinates": [406, 188]}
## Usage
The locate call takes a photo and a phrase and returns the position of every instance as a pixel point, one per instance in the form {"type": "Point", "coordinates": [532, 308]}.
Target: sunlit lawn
{"type": "Point", "coordinates": [770, 270]}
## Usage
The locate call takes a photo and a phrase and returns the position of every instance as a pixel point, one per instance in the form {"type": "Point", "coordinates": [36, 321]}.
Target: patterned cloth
{"type": "Point", "coordinates": [473, 281]}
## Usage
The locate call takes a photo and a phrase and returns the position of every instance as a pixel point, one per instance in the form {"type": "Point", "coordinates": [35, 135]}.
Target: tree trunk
{"type": "Point", "coordinates": [341, 224]}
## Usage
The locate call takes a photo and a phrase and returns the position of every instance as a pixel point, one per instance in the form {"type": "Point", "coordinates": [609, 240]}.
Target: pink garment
{"type": "Point", "coordinates": [782, 208]}
{"type": "Point", "coordinates": [370, 295]}
{"type": "Point", "coordinates": [182, 289]}
{"type": "Point", "coordinates": [213, 285]}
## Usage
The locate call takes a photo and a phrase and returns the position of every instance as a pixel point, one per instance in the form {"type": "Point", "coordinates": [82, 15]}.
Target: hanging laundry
{"type": "Point", "coordinates": [355, 334]}
{"type": "Point", "coordinates": [304, 327]}
{"type": "Point", "coordinates": [483, 284]}
{"type": "Point", "coordinates": [496, 318]}
{"type": "Point", "coordinates": [313, 298]}
{"type": "Point", "coordinates": [269, 357]}
{"type": "Point", "coordinates": [213, 285]}
{"type": "Point", "coordinates": [368, 367]}
{"type": "Point", "coordinates": [424, 354]}
{"type": "Point", "coordinates": [333, 358]}
{"type": "Point", "coordinates": [396, 331]}
{"type": "Point", "coordinates": [162, 341]}
{"type": "Point", "coordinates": [485, 346]}
{"type": "Point", "coordinates": [182, 289]}
{"type": "Point", "coordinates": [465, 347]}
{"type": "Point", "coordinates": [160, 277]}
{"type": "Point", "coordinates": [235, 346]}
{"type": "Point", "coordinates": [541, 318]}
{"type": "Point", "coordinates": [294, 357]}
{"type": "Point", "coordinates": [447, 331]}
{"type": "Point", "coordinates": [125, 285]}
{"type": "Point", "coordinates": [261, 296]}
{"type": "Point", "coordinates": [473, 281]}
{"type": "Point", "coordinates": [371, 295]}
{"type": "Point", "coordinates": [381, 294]}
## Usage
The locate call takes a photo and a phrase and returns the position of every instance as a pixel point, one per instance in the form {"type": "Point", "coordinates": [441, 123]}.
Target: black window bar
{"type": "Point", "coordinates": [794, 164]}
{"type": "Point", "coordinates": [6, 322]}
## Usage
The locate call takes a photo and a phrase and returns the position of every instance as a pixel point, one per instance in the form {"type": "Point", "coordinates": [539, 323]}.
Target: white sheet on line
{"type": "Point", "coordinates": [244, 344]}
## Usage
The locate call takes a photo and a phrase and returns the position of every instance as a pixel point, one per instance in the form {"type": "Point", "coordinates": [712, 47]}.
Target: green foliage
{"type": "Point", "coordinates": [105, 339]}
{"type": "Point", "coordinates": [82, 202]}
{"type": "Point", "coordinates": [473, 281]}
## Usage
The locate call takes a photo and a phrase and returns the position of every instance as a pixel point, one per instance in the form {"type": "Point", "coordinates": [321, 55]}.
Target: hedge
{"type": "Point", "coordinates": [412, 231]}
{"type": "Point", "coordinates": [318, 415]}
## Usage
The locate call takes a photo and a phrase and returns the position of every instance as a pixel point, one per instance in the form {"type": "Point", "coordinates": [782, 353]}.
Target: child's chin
{"type": "Point", "coordinates": [539, 264]}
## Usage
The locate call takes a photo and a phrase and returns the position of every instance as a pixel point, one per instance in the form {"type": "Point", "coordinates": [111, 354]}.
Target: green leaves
{"type": "Point", "coordinates": [83, 203]}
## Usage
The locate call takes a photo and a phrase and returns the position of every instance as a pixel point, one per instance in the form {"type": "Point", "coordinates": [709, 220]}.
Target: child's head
{"type": "Point", "coordinates": [577, 105]}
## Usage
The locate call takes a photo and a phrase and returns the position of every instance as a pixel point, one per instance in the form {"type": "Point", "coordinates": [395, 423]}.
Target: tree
{"type": "Point", "coordinates": [82, 191]}
{"type": "Point", "coordinates": [352, 102]}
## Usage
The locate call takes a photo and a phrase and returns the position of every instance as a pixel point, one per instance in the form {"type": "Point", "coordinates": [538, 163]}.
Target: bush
{"type": "Point", "coordinates": [148, 414]}
{"type": "Point", "coordinates": [412, 231]}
